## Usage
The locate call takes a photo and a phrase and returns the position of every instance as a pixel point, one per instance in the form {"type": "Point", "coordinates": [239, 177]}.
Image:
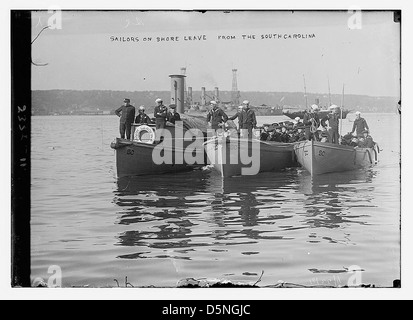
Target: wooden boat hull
{"type": "Point", "coordinates": [320, 157]}
{"type": "Point", "coordinates": [136, 159]}
{"type": "Point", "coordinates": [225, 155]}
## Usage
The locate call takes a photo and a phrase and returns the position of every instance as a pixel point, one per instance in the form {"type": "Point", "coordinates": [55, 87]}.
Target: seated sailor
{"type": "Point", "coordinates": [265, 135]}
{"type": "Point", "coordinates": [366, 141]}
{"type": "Point", "coordinates": [285, 137]}
{"type": "Point", "coordinates": [276, 134]}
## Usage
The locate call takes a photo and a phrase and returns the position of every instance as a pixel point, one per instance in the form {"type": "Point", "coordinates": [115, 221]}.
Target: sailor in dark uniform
{"type": "Point", "coordinates": [333, 119]}
{"type": "Point", "coordinates": [276, 134]}
{"type": "Point", "coordinates": [239, 116]}
{"type": "Point", "coordinates": [160, 114]}
{"type": "Point", "coordinates": [142, 117]}
{"type": "Point", "coordinates": [285, 137]}
{"type": "Point", "coordinates": [216, 116]}
{"type": "Point", "coordinates": [127, 116]}
{"type": "Point", "coordinates": [173, 115]}
{"type": "Point", "coordinates": [367, 141]}
{"type": "Point", "coordinates": [311, 121]}
{"type": "Point", "coordinates": [249, 120]}
{"type": "Point", "coordinates": [265, 135]}
{"type": "Point", "coordinates": [299, 135]}
{"type": "Point", "coordinates": [359, 125]}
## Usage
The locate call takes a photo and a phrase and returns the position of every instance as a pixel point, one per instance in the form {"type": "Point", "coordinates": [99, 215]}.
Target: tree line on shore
{"type": "Point", "coordinates": [47, 102]}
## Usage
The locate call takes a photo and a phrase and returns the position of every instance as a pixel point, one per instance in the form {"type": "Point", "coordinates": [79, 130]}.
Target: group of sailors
{"type": "Point", "coordinates": [247, 120]}
{"type": "Point", "coordinates": [286, 132]}
{"type": "Point", "coordinates": [162, 115]}
{"type": "Point", "coordinates": [307, 128]}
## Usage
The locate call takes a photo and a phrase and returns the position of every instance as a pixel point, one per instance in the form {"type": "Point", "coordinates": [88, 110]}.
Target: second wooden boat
{"type": "Point", "coordinates": [235, 157]}
{"type": "Point", "coordinates": [320, 157]}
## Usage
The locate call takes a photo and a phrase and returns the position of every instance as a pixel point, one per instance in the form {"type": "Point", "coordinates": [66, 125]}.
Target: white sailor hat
{"type": "Point", "coordinates": [245, 102]}
{"type": "Point", "coordinates": [358, 112]}
{"type": "Point", "coordinates": [142, 108]}
{"type": "Point", "coordinates": [314, 107]}
{"type": "Point", "coordinates": [158, 100]}
{"type": "Point", "coordinates": [213, 102]}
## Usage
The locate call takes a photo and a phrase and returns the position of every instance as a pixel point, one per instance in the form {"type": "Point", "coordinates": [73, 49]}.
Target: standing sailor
{"type": "Point", "coordinates": [216, 116]}
{"type": "Point", "coordinates": [333, 119]}
{"type": "Point", "coordinates": [249, 120]}
{"type": "Point", "coordinates": [160, 114]}
{"type": "Point", "coordinates": [127, 116]}
{"type": "Point", "coordinates": [173, 115]}
{"type": "Point", "coordinates": [311, 121]}
{"type": "Point", "coordinates": [359, 125]}
{"type": "Point", "coordinates": [239, 116]}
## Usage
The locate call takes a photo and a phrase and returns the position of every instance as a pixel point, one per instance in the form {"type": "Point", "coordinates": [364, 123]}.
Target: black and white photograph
{"type": "Point", "coordinates": [210, 149]}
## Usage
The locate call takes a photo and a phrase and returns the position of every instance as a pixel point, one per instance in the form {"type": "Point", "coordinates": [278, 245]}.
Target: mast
{"type": "Point", "coordinates": [329, 92]}
{"type": "Point", "coordinates": [305, 93]}
{"type": "Point", "coordinates": [342, 106]}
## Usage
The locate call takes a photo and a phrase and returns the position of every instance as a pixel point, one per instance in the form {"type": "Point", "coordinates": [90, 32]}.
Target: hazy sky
{"type": "Point", "coordinates": [82, 56]}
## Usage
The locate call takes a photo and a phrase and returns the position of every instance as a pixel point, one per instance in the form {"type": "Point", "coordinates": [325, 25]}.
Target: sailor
{"type": "Point", "coordinates": [216, 116]}
{"type": "Point", "coordinates": [173, 115]}
{"type": "Point", "coordinates": [311, 121]}
{"type": "Point", "coordinates": [333, 119]}
{"type": "Point", "coordinates": [265, 135]}
{"type": "Point", "coordinates": [127, 116]}
{"type": "Point", "coordinates": [285, 137]}
{"type": "Point", "coordinates": [297, 121]}
{"type": "Point", "coordinates": [359, 125]}
{"type": "Point", "coordinates": [249, 120]}
{"type": "Point", "coordinates": [276, 134]}
{"type": "Point", "coordinates": [160, 114]}
{"type": "Point", "coordinates": [349, 140]}
{"type": "Point", "coordinates": [142, 117]}
{"type": "Point", "coordinates": [239, 116]}
{"type": "Point", "coordinates": [366, 141]}
{"type": "Point", "coordinates": [299, 135]}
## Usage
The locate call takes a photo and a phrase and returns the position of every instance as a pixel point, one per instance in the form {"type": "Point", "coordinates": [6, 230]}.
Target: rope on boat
{"type": "Point", "coordinates": [368, 152]}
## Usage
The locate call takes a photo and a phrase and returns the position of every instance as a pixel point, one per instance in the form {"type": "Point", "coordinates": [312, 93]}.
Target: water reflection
{"type": "Point", "coordinates": [329, 199]}
{"type": "Point", "coordinates": [172, 215]}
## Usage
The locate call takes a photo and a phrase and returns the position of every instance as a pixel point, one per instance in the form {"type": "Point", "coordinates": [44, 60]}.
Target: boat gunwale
{"type": "Point", "coordinates": [267, 143]}
{"type": "Point", "coordinates": [327, 145]}
{"type": "Point", "coordinates": [130, 143]}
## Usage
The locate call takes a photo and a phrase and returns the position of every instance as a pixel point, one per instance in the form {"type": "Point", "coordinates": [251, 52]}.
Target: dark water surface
{"type": "Point", "coordinates": [158, 230]}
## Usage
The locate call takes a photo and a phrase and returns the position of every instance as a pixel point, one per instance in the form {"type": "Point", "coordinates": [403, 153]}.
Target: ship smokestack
{"type": "Point", "coordinates": [178, 92]}
{"type": "Point", "coordinates": [190, 95]}
{"type": "Point", "coordinates": [203, 96]}
{"type": "Point", "coordinates": [216, 94]}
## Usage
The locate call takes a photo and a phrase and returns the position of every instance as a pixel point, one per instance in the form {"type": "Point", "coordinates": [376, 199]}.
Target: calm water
{"type": "Point", "coordinates": [158, 230]}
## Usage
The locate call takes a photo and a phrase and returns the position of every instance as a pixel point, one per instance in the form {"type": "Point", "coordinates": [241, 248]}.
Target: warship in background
{"type": "Point", "coordinates": [200, 108]}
